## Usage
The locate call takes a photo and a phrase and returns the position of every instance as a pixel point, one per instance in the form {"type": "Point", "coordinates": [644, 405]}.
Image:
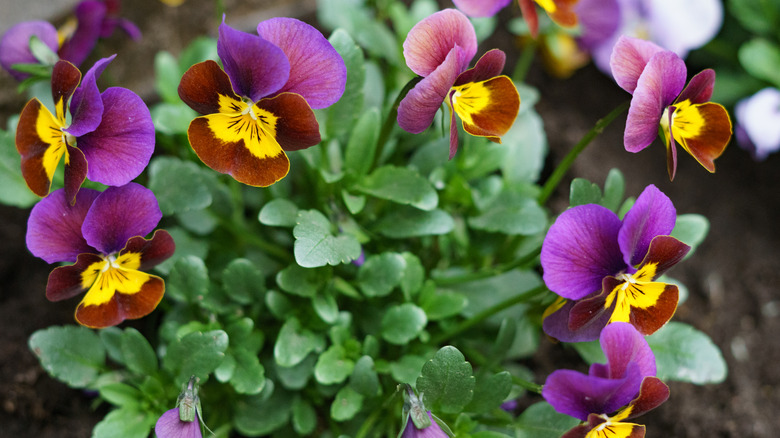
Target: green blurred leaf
{"type": "Point", "coordinates": [186, 246]}
{"type": "Point", "coordinates": [172, 117]}
{"type": "Point", "coordinates": [541, 420]}
{"type": "Point", "coordinates": [249, 375]}
{"type": "Point", "coordinates": [121, 394]}
{"type": "Point", "coordinates": [296, 377]}
{"type": "Point", "coordinates": [333, 366]}
{"type": "Point", "coordinates": [315, 244]}
{"type": "Point", "coordinates": [686, 354]}
{"type": "Point", "coordinates": [490, 392]}
{"type": "Point", "coordinates": [364, 378]}
{"type": "Point", "coordinates": [361, 148]}
{"type": "Point", "coordinates": [301, 281]}
{"type": "Point", "coordinates": [369, 32]}
{"type": "Point", "coordinates": [188, 281]}
{"type": "Point", "coordinates": [167, 76]}
{"type": "Point", "coordinates": [381, 273]}
{"type": "Point", "coordinates": [138, 355]}
{"type": "Point", "coordinates": [348, 402]}
{"type": "Point", "coordinates": [407, 369]}
{"type": "Point", "coordinates": [446, 381]}
{"type": "Point", "coordinates": [691, 229]}
{"type": "Point", "coordinates": [72, 354]}
{"type": "Point", "coordinates": [511, 213]}
{"type": "Point", "coordinates": [354, 203]}
{"type": "Point", "coordinates": [294, 343]}
{"type": "Point", "coordinates": [614, 190]}
{"type": "Point", "coordinates": [526, 142]}
{"type": "Point", "coordinates": [275, 404]}
{"type": "Point", "coordinates": [124, 423]}
{"type": "Point", "coordinates": [199, 50]}
{"type": "Point", "coordinates": [196, 354]}
{"type": "Point", "coordinates": [242, 281]}
{"type": "Point", "coordinates": [279, 212]}
{"type": "Point", "coordinates": [343, 114]}
{"type": "Point", "coordinates": [583, 192]}
{"type": "Point", "coordinates": [326, 306]}
{"type": "Point", "coordinates": [440, 305]}
{"type": "Point", "coordinates": [304, 417]}
{"type": "Point", "coordinates": [13, 188]}
{"type": "Point", "coordinates": [401, 185]}
{"type": "Point", "coordinates": [761, 58]}
{"type": "Point", "coordinates": [402, 323]}
{"type": "Point", "coordinates": [405, 222]}
{"type": "Point", "coordinates": [178, 185]}
{"type": "Point", "coordinates": [112, 341]}
{"type": "Point", "coordinates": [757, 16]}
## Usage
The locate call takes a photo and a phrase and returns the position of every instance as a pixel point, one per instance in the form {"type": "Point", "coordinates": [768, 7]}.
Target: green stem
{"type": "Point", "coordinates": [552, 182]}
{"type": "Point", "coordinates": [524, 62]}
{"type": "Point", "coordinates": [369, 423]}
{"type": "Point", "coordinates": [491, 272]}
{"type": "Point", "coordinates": [390, 121]}
{"type": "Point", "coordinates": [531, 386]}
{"type": "Point", "coordinates": [487, 313]}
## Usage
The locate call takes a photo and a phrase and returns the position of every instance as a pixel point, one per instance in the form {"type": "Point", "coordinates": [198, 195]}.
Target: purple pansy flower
{"type": "Point", "coordinates": [184, 420]}
{"type": "Point", "coordinates": [261, 105]}
{"type": "Point", "coordinates": [656, 79]}
{"type": "Point", "coordinates": [440, 48]}
{"type": "Point", "coordinates": [15, 45]}
{"type": "Point", "coordinates": [432, 431]}
{"type": "Point", "coordinates": [103, 233]}
{"type": "Point", "coordinates": [627, 379]}
{"type": "Point", "coordinates": [758, 123]}
{"type": "Point", "coordinates": [109, 139]}
{"type": "Point", "coordinates": [604, 269]}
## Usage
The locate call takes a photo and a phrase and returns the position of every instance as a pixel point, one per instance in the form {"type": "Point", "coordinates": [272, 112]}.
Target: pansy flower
{"type": "Point", "coordinates": [656, 79]}
{"type": "Point", "coordinates": [261, 104]}
{"type": "Point", "coordinates": [419, 422]}
{"type": "Point", "coordinates": [103, 233]}
{"type": "Point", "coordinates": [758, 123]}
{"type": "Point", "coordinates": [108, 138]}
{"type": "Point", "coordinates": [604, 269]}
{"type": "Point", "coordinates": [626, 381]}
{"type": "Point", "coordinates": [183, 421]}
{"type": "Point", "coordinates": [439, 48]}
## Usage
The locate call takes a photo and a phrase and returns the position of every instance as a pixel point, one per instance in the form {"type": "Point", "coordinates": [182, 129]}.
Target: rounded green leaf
{"type": "Point", "coordinates": [304, 417]}
{"type": "Point", "coordinates": [178, 185]}
{"type": "Point", "coordinates": [406, 222]}
{"type": "Point", "coordinates": [196, 354]}
{"type": "Point", "coordinates": [403, 323]}
{"type": "Point", "coordinates": [243, 281]}
{"type": "Point", "coordinates": [511, 213]}
{"type": "Point", "coordinates": [446, 382]}
{"type": "Point", "coordinates": [347, 403]}
{"type": "Point", "coordinates": [381, 273]}
{"type": "Point", "coordinates": [686, 354]}
{"type": "Point", "coordinates": [72, 354]}
{"type": "Point", "coordinates": [407, 369]}
{"type": "Point", "coordinates": [279, 212]}
{"type": "Point", "coordinates": [541, 420]}
{"type": "Point", "coordinates": [294, 343]}
{"type": "Point", "coordinates": [188, 281]}
{"type": "Point", "coordinates": [138, 355]}
{"type": "Point", "coordinates": [249, 375]}
{"type": "Point", "coordinates": [315, 244]}
{"type": "Point", "coordinates": [401, 185]}
{"type": "Point", "coordinates": [333, 366]}
{"type": "Point", "coordinates": [364, 378]}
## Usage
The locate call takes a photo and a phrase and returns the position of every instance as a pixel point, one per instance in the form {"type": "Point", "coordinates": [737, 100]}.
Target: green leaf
{"type": "Point", "coordinates": [583, 192]}
{"type": "Point", "coordinates": [686, 354]}
{"type": "Point", "coordinates": [172, 117]}
{"type": "Point", "coordinates": [490, 392]}
{"type": "Point", "coordinates": [188, 281]}
{"type": "Point", "coordinates": [364, 378]}
{"type": "Point", "coordinates": [186, 246]}
{"type": "Point", "coordinates": [138, 355]}
{"type": "Point", "coordinates": [304, 417]}
{"type": "Point", "coordinates": [407, 369]}
{"type": "Point", "coordinates": [413, 275]}
{"type": "Point", "coordinates": [691, 229]}
{"type": "Point", "coordinates": [354, 203]}
{"type": "Point", "coordinates": [301, 281]}
{"type": "Point", "coordinates": [541, 420]}
{"type": "Point", "coordinates": [407, 222]}
{"type": "Point", "coordinates": [402, 323]}
{"type": "Point", "coordinates": [326, 306]}
{"type": "Point", "coordinates": [296, 377]}
{"type": "Point", "coordinates": [121, 394]}
{"type": "Point", "coordinates": [333, 366]}
{"type": "Point", "coordinates": [112, 341]}
{"type": "Point", "coordinates": [178, 185]}
{"type": "Point", "coordinates": [760, 58]}
{"type": "Point", "coordinates": [294, 343]}
{"type": "Point", "coordinates": [279, 212]}
{"type": "Point", "coordinates": [315, 244]}
{"type": "Point", "coordinates": [249, 375]}
{"type": "Point", "coordinates": [347, 403]}
{"type": "Point", "coordinates": [243, 282]}
{"type": "Point", "coordinates": [342, 114]}
{"type": "Point", "coordinates": [124, 423]}
{"type": "Point", "coordinates": [166, 77]}
{"type": "Point", "coordinates": [446, 381]}
{"type": "Point", "coordinates": [401, 185]}
{"type": "Point", "coordinates": [196, 354]}
{"type": "Point", "coordinates": [525, 143]}
{"type": "Point", "coordinates": [511, 213]}
{"type": "Point", "coordinates": [757, 16]}
{"type": "Point", "coordinates": [72, 354]}
{"type": "Point", "coordinates": [440, 305]}
{"type": "Point", "coordinates": [381, 273]}
{"type": "Point", "coordinates": [361, 148]}
{"type": "Point", "coordinates": [275, 404]}
{"type": "Point", "coordinates": [200, 49]}
{"type": "Point", "coordinates": [614, 190]}
{"type": "Point", "coordinates": [13, 188]}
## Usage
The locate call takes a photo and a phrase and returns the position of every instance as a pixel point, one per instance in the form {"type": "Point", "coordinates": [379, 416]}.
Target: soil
{"type": "Point", "coordinates": [732, 278]}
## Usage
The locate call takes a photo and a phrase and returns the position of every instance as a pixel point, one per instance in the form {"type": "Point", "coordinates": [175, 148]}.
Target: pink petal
{"type": "Point", "coordinates": [628, 60]}
{"type": "Point", "coordinates": [430, 41]}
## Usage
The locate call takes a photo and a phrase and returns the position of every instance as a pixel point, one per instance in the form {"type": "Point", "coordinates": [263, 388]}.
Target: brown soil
{"type": "Point", "coordinates": [732, 277]}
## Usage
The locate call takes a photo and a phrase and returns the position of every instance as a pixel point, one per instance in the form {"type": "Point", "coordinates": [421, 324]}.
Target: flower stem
{"type": "Point", "coordinates": [491, 272]}
{"type": "Point", "coordinates": [487, 313]}
{"type": "Point", "coordinates": [524, 62]}
{"type": "Point", "coordinates": [552, 182]}
{"type": "Point", "coordinates": [390, 121]}
{"type": "Point", "coordinates": [531, 386]}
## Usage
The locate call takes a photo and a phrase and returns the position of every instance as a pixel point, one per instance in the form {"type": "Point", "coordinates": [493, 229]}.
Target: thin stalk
{"type": "Point", "coordinates": [487, 313]}
{"type": "Point", "coordinates": [390, 121]}
{"type": "Point", "coordinates": [369, 423]}
{"type": "Point", "coordinates": [531, 386]}
{"type": "Point", "coordinates": [491, 272]}
{"type": "Point", "coordinates": [524, 62]}
{"type": "Point", "coordinates": [552, 182]}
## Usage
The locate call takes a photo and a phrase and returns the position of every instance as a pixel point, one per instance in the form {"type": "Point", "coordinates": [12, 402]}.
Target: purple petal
{"type": "Point", "coordinates": [699, 88]}
{"type": "Point", "coordinates": [480, 8]}
{"type": "Point", "coordinates": [15, 45]}
{"type": "Point", "coordinates": [432, 431]}
{"type": "Point", "coordinates": [90, 15]}
{"type": "Point", "coordinates": [54, 226]}
{"type": "Point", "coordinates": [489, 65]}
{"type": "Point", "coordinates": [661, 81]}
{"type": "Point", "coordinates": [653, 214]}
{"type": "Point", "coordinates": [629, 59]}
{"type": "Point", "coordinates": [86, 106]}
{"type": "Point", "coordinates": [453, 131]}
{"type": "Point", "coordinates": [431, 41]}
{"type": "Point", "coordinates": [580, 249]}
{"type": "Point", "coordinates": [599, 20]}
{"type": "Point", "coordinates": [684, 26]}
{"type": "Point", "coordinates": [317, 71]}
{"type": "Point", "coordinates": [118, 214]}
{"type": "Point", "coordinates": [576, 394]}
{"type": "Point", "coordinates": [417, 110]}
{"type": "Point", "coordinates": [758, 122]}
{"type": "Point", "coordinates": [170, 426]}
{"type": "Point", "coordinates": [623, 345]}
{"type": "Point", "coordinates": [256, 67]}
{"type": "Point", "coordinates": [127, 26]}
{"type": "Point", "coordinates": [120, 148]}
{"type": "Point", "coordinates": [556, 325]}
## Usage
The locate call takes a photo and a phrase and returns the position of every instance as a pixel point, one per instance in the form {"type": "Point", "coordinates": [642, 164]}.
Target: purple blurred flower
{"type": "Point", "coordinates": [15, 45]}
{"type": "Point", "coordinates": [432, 431]}
{"type": "Point", "coordinates": [758, 123]}
{"type": "Point", "coordinates": [103, 233]}
{"type": "Point", "coordinates": [110, 137]}
{"type": "Point", "coordinates": [656, 79]}
{"type": "Point", "coordinates": [439, 48]}
{"type": "Point", "coordinates": [604, 269]}
{"type": "Point", "coordinates": [281, 74]}
{"type": "Point", "coordinates": [184, 420]}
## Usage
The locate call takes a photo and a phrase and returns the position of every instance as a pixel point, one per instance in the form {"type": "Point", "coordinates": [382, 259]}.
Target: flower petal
{"type": "Point", "coordinates": [75, 172]}
{"type": "Point", "coordinates": [121, 146]}
{"type": "Point", "coordinates": [488, 108]}
{"type": "Point", "coordinates": [86, 106]}
{"type": "Point", "coordinates": [114, 298]}
{"type": "Point", "coordinates": [489, 65]}
{"type": "Point", "coordinates": [661, 81]}
{"type": "Point", "coordinates": [558, 324]}
{"type": "Point", "coordinates": [295, 125]}
{"type": "Point", "coordinates": [430, 42]}
{"type": "Point", "coordinates": [170, 426]}
{"type": "Point", "coordinates": [15, 45]}
{"type": "Point", "coordinates": [256, 67]}
{"type": "Point", "coordinates": [528, 11]}
{"type": "Point", "coordinates": [118, 214]}
{"type": "Point", "coordinates": [703, 130]}
{"type": "Point", "coordinates": [68, 281]}
{"type": "Point", "coordinates": [564, 13]}
{"type": "Point", "coordinates": [683, 26]}
{"type": "Point", "coordinates": [623, 345]}
{"type": "Point", "coordinates": [652, 394]}
{"type": "Point", "coordinates": [90, 15]}
{"type": "Point", "coordinates": [153, 251]}
{"type": "Point", "coordinates": [699, 88]}
{"type": "Point", "coordinates": [599, 20]}
{"type": "Point", "coordinates": [40, 142]}
{"type": "Point", "coordinates": [653, 214]}
{"type": "Point", "coordinates": [54, 226]}
{"type": "Point", "coordinates": [418, 108]}
{"type": "Point", "coordinates": [758, 116]}
{"type": "Point", "coordinates": [204, 85]}
{"type": "Point", "coordinates": [629, 59]}
{"type": "Point", "coordinates": [480, 8]}
{"type": "Point", "coordinates": [317, 71]}
{"type": "Point", "coordinates": [580, 249]}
